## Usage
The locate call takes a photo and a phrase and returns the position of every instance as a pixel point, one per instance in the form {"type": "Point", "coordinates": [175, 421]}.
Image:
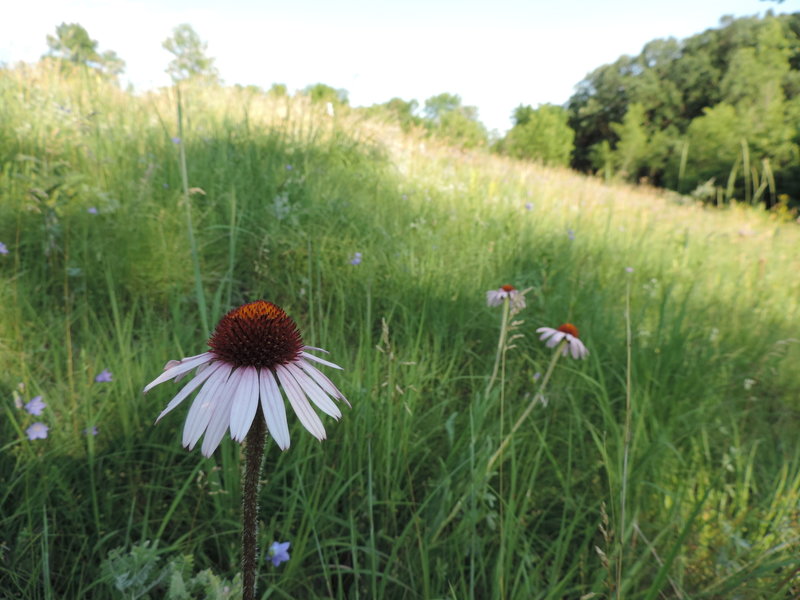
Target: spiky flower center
{"type": "Point", "coordinates": [507, 288]}
{"type": "Point", "coordinates": [258, 334]}
{"type": "Point", "coordinates": [570, 329]}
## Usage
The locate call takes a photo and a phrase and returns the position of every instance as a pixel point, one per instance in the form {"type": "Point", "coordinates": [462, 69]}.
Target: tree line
{"type": "Point", "coordinates": [715, 115]}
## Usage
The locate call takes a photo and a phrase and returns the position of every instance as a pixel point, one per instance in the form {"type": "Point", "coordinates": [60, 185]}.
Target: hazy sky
{"type": "Point", "coordinates": [495, 54]}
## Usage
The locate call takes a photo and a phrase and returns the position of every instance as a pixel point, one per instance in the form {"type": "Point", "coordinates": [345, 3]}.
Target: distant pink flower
{"type": "Point", "coordinates": [37, 431]}
{"type": "Point", "coordinates": [568, 332]}
{"type": "Point", "coordinates": [515, 297]}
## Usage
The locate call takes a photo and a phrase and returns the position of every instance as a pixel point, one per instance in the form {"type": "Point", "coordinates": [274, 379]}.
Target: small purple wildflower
{"type": "Point", "coordinates": [3, 249]}
{"type": "Point", "coordinates": [35, 406]}
{"type": "Point", "coordinates": [629, 269]}
{"type": "Point", "coordinates": [176, 140]}
{"type": "Point", "coordinates": [90, 430]}
{"type": "Point", "coordinates": [92, 210]}
{"type": "Point", "coordinates": [571, 234]}
{"type": "Point", "coordinates": [537, 376]}
{"type": "Point", "coordinates": [289, 167]}
{"type": "Point", "coordinates": [356, 260]}
{"type": "Point", "coordinates": [279, 552]}
{"type": "Point", "coordinates": [104, 377]}
{"type": "Point", "coordinates": [37, 431]}
{"type": "Point", "coordinates": [529, 206]}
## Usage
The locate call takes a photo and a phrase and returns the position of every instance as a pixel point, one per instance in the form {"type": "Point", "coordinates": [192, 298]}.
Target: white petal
{"type": "Point", "coordinates": [245, 403]}
{"type": "Point", "coordinates": [203, 407]}
{"type": "Point", "coordinates": [546, 332]}
{"type": "Point", "coordinates": [320, 360]}
{"type": "Point", "coordinates": [187, 364]}
{"type": "Point", "coordinates": [299, 402]}
{"type": "Point", "coordinates": [556, 339]}
{"type": "Point", "coordinates": [217, 425]}
{"type": "Point", "coordinates": [322, 380]}
{"type": "Point", "coordinates": [273, 408]}
{"type": "Point", "coordinates": [190, 387]}
{"type": "Point", "coordinates": [314, 392]}
{"type": "Point", "coordinates": [317, 349]}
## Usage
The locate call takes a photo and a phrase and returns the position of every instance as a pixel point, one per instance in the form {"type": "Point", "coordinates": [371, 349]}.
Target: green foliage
{"type": "Point", "coordinates": [397, 502]}
{"type": "Point", "coordinates": [72, 44]}
{"type": "Point", "coordinates": [450, 120]}
{"type": "Point", "coordinates": [403, 112]}
{"type": "Point", "coordinates": [649, 108]}
{"type": "Point", "coordinates": [322, 93]}
{"type": "Point", "coordinates": [137, 574]}
{"type": "Point", "coordinates": [279, 90]}
{"type": "Point", "coordinates": [540, 134]}
{"type": "Point", "coordinates": [190, 62]}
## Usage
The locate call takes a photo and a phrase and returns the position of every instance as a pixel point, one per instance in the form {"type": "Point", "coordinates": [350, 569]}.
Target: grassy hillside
{"type": "Point", "coordinates": [116, 263]}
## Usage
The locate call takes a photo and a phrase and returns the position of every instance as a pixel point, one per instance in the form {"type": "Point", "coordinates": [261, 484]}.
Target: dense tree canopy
{"type": "Point", "coordinates": [72, 44]}
{"type": "Point", "coordinates": [721, 106]}
{"type": "Point", "coordinates": [191, 61]}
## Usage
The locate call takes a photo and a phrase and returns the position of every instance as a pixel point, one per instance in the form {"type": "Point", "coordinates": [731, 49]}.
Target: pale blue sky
{"type": "Point", "coordinates": [495, 54]}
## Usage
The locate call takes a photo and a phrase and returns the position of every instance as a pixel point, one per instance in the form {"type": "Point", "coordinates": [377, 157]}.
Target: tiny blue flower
{"type": "Point", "coordinates": [35, 406]}
{"type": "Point", "coordinates": [37, 431]}
{"type": "Point", "coordinates": [176, 140]}
{"type": "Point", "coordinates": [104, 376]}
{"type": "Point", "coordinates": [279, 552]}
{"type": "Point", "coordinates": [529, 206]}
{"type": "Point", "coordinates": [3, 249]}
{"type": "Point", "coordinates": [92, 210]}
{"type": "Point", "coordinates": [356, 260]}
{"type": "Point", "coordinates": [571, 234]}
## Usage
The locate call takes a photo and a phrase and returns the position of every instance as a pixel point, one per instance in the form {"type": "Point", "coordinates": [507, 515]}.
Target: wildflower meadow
{"type": "Point", "coordinates": [471, 377]}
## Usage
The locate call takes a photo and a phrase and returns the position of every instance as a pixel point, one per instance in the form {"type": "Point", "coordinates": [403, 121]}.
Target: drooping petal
{"type": "Point", "coordinates": [313, 391]}
{"type": "Point", "coordinates": [320, 360]}
{"type": "Point", "coordinates": [201, 376]}
{"type": "Point", "coordinates": [245, 403]}
{"type": "Point", "coordinates": [546, 332]}
{"type": "Point", "coordinates": [555, 339]}
{"type": "Point", "coordinates": [203, 406]}
{"type": "Point", "coordinates": [218, 424]}
{"type": "Point", "coordinates": [299, 402]}
{"type": "Point", "coordinates": [322, 380]}
{"type": "Point", "coordinates": [273, 408]}
{"type": "Point", "coordinates": [187, 364]}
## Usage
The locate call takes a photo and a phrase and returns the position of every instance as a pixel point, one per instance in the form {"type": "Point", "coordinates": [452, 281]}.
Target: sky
{"type": "Point", "coordinates": [494, 54]}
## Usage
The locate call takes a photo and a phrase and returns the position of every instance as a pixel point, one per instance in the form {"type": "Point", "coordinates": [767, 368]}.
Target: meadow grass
{"type": "Point", "coordinates": [690, 420]}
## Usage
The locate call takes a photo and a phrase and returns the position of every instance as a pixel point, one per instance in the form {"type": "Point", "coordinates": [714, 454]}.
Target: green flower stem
{"type": "Point", "coordinates": [254, 455]}
{"type": "Point", "coordinates": [501, 343]}
{"type": "Point", "coordinates": [198, 278]}
{"type": "Point", "coordinates": [524, 415]}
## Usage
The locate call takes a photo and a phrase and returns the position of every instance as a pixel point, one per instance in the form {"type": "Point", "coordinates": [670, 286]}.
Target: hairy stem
{"type": "Point", "coordinates": [254, 454]}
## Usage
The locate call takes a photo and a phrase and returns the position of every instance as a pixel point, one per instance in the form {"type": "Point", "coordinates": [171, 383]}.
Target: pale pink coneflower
{"type": "Point", "coordinates": [515, 297]}
{"type": "Point", "coordinates": [256, 351]}
{"type": "Point", "coordinates": [568, 332]}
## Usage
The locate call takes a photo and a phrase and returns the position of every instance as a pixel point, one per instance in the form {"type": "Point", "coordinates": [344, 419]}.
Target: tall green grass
{"type": "Point", "coordinates": [396, 503]}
